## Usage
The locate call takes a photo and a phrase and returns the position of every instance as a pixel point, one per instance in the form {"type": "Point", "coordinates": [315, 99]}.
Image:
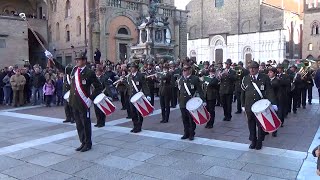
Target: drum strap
{"type": "Point", "coordinates": [187, 89]}
{"type": "Point", "coordinates": [257, 89]}
{"type": "Point", "coordinates": [134, 85]}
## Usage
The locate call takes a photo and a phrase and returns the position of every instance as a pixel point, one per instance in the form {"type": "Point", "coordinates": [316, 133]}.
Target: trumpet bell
{"type": "Point", "coordinates": [23, 16]}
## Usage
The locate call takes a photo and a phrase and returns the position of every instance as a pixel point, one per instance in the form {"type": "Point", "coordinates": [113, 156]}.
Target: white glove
{"type": "Point", "coordinates": [148, 98]}
{"type": "Point", "coordinates": [88, 102]}
{"type": "Point", "coordinates": [243, 109]}
{"type": "Point", "coordinates": [110, 98]}
{"type": "Point", "coordinates": [275, 107]}
{"type": "Point", "coordinates": [204, 104]}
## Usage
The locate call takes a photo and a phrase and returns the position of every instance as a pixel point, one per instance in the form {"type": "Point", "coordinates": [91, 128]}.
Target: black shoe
{"type": "Point", "coordinates": [72, 122]}
{"type": "Point", "coordinates": [163, 121]}
{"type": "Point", "coordinates": [253, 145]}
{"type": "Point", "coordinates": [227, 119]}
{"type": "Point", "coordinates": [294, 112]}
{"type": "Point", "coordinates": [209, 126]}
{"type": "Point", "coordinates": [79, 148]}
{"type": "Point", "coordinates": [132, 130]}
{"type": "Point", "coordinates": [238, 112]}
{"type": "Point", "coordinates": [85, 148]}
{"type": "Point", "coordinates": [66, 121]}
{"type": "Point", "coordinates": [310, 103]}
{"type": "Point", "coordinates": [185, 136]}
{"type": "Point", "coordinates": [136, 130]}
{"type": "Point", "coordinates": [259, 145]}
{"type": "Point", "coordinates": [97, 125]}
{"type": "Point", "coordinates": [224, 119]}
{"type": "Point", "coordinates": [123, 109]}
{"type": "Point", "coordinates": [274, 134]}
{"type": "Point", "coordinates": [304, 107]}
{"type": "Point", "coordinates": [191, 138]}
{"type": "Point", "coordinates": [128, 117]}
{"type": "Point", "coordinates": [281, 125]}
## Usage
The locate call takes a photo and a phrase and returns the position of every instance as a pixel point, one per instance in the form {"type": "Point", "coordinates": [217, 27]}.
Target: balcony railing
{"type": "Point", "coordinates": [124, 4]}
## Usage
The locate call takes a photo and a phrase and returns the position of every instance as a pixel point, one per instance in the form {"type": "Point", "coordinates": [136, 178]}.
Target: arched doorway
{"type": "Point", "coordinates": [247, 55]}
{"type": "Point", "coordinates": [36, 52]}
{"type": "Point", "coordinates": [218, 49]}
{"type": "Point", "coordinates": [122, 33]}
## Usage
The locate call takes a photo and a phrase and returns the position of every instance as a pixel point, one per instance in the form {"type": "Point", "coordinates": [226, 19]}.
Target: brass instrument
{"type": "Point", "coordinates": [116, 83]}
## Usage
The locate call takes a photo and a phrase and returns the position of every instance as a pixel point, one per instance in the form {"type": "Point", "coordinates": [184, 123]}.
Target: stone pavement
{"type": "Point", "coordinates": [34, 144]}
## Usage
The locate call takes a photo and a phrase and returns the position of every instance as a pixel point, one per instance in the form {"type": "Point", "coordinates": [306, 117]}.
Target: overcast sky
{"type": "Point", "coordinates": [181, 4]}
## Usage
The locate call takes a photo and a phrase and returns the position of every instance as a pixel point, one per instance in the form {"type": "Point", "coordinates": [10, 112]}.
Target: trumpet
{"type": "Point", "coordinates": [120, 80]}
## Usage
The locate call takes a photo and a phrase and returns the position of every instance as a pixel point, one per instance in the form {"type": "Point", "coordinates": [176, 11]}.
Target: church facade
{"type": "Point", "coordinates": [244, 30]}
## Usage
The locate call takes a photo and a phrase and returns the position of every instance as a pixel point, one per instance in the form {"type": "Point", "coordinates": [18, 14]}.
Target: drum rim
{"type": "Point", "coordinates": [194, 98]}
{"type": "Point", "coordinates": [252, 107]}
{"type": "Point", "coordinates": [141, 94]}
{"type": "Point", "coordinates": [66, 94]}
{"type": "Point", "coordinates": [95, 101]}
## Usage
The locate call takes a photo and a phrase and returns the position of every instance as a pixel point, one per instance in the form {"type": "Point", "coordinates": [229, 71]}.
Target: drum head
{"type": "Point", "coordinates": [260, 105]}
{"type": "Point", "coordinates": [66, 95]}
{"type": "Point", "coordinates": [194, 104]}
{"type": "Point", "coordinates": [136, 97]}
{"type": "Point", "coordinates": [99, 98]}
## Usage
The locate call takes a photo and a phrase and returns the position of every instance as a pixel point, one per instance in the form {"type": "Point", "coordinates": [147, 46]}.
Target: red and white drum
{"type": "Point", "coordinates": [266, 115]}
{"type": "Point", "coordinates": [66, 96]}
{"type": "Point", "coordinates": [104, 104]}
{"type": "Point", "coordinates": [142, 104]}
{"type": "Point", "coordinates": [198, 111]}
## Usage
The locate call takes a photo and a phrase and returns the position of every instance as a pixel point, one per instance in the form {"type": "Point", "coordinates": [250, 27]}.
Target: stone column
{"type": "Point", "coordinates": [102, 42]}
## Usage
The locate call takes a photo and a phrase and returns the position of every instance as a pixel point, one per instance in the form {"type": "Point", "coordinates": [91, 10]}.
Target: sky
{"type": "Point", "coordinates": [181, 4]}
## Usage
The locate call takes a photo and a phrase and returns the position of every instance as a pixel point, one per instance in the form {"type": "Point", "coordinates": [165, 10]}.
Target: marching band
{"type": "Point", "coordinates": [258, 89]}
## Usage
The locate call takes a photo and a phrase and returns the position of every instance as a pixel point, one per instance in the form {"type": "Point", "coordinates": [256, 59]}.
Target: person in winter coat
{"type": "Point", "coordinates": [48, 91]}
{"type": "Point", "coordinates": [18, 82]}
{"type": "Point", "coordinates": [316, 153]}
{"type": "Point", "coordinates": [37, 82]}
{"type": "Point", "coordinates": [7, 88]}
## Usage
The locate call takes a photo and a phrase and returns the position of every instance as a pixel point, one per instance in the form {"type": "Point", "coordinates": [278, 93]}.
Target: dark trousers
{"type": "Point", "coordinates": [137, 119]}
{"type": "Point", "coordinates": [68, 112]}
{"type": "Point", "coordinates": [188, 123]}
{"type": "Point", "coordinates": [59, 99]}
{"type": "Point", "coordinates": [101, 117]}
{"type": "Point", "coordinates": [48, 99]}
{"type": "Point", "coordinates": [165, 107]}
{"type": "Point", "coordinates": [253, 125]}
{"type": "Point", "coordinates": [83, 124]}
{"type": "Point", "coordinates": [211, 104]}
{"type": "Point", "coordinates": [1, 95]}
{"type": "Point", "coordinates": [123, 100]}
{"type": "Point", "coordinates": [296, 97]}
{"type": "Point", "coordinates": [282, 111]}
{"type": "Point", "coordinates": [238, 97]}
{"type": "Point", "coordinates": [304, 96]}
{"type": "Point", "coordinates": [151, 88]}
{"type": "Point", "coordinates": [218, 103]}
{"type": "Point", "coordinates": [226, 101]}
{"type": "Point", "coordinates": [174, 97]}
{"type": "Point", "coordinates": [309, 93]}
{"type": "Point", "coordinates": [127, 105]}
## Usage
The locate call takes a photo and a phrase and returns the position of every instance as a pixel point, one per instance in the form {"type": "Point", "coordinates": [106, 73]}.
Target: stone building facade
{"type": "Point", "coordinates": [243, 30]}
{"type": "Point", "coordinates": [311, 31]}
{"type": "Point", "coordinates": [17, 42]}
{"type": "Point", "coordinates": [109, 25]}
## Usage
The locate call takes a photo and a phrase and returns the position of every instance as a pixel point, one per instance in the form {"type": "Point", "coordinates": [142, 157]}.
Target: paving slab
{"type": "Point", "coordinates": [227, 173]}
{"type": "Point", "coordinates": [25, 171]}
{"type": "Point", "coordinates": [216, 161]}
{"type": "Point", "coordinates": [118, 162]}
{"type": "Point", "coordinates": [51, 175]}
{"type": "Point", "coordinates": [24, 153]}
{"type": "Point", "coordinates": [270, 171]}
{"type": "Point", "coordinates": [162, 160]}
{"type": "Point", "coordinates": [133, 176]}
{"type": "Point", "coordinates": [99, 172]}
{"type": "Point", "coordinates": [8, 162]}
{"type": "Point", "coordinates": [45, 159]}
{"type": "Point", "coordinates": [141, 156]}
{"type": "Point", "coordinates": [71, 166]}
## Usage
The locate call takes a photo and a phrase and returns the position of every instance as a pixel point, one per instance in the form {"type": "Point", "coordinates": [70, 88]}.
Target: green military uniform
{"type": "Point", "coordinates": [87, 79]}
{"type": "Point", "coordinates": [140, 82]}
{"type": "Point", "coordinates": [175, 73]}
{"type": "Point", "coordinates": [227, 82]}
{"type": "Point", "coordinates": [211, 90]}
{"type": "Point", "coordinates": [241, 72]}
{"type": "Point", "coordinates": [249, 96]}
{"type": "Point", "coordinates": [66, 88]}
{"type": "Point", "coordinates": [194, 85]}
{"type": "Point", "coordinates": [165, 89]}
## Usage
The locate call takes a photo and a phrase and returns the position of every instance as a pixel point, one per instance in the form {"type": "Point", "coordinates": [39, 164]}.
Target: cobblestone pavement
{"type": "Point", "coordinates": [34, 144]}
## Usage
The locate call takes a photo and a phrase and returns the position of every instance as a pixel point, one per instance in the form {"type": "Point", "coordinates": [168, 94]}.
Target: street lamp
{"type": "Point", "coordinates": [46, 52]}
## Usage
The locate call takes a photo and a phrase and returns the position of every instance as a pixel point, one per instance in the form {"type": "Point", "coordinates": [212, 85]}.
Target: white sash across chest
{"type": "Point", "coordinates": [79, 89]}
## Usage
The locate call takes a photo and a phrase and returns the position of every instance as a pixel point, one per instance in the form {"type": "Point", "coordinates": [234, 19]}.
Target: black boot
{"type": "Point", "coordinates": [259, 145]}
{"type": "Point", "coordinates": [253, 144]}
{"type": "Point", "coordinates": [274, 134]}
{"type": "Point", "coordinates": [79, 148]}
{"type": "Point", "coordinates": [185, 136]}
